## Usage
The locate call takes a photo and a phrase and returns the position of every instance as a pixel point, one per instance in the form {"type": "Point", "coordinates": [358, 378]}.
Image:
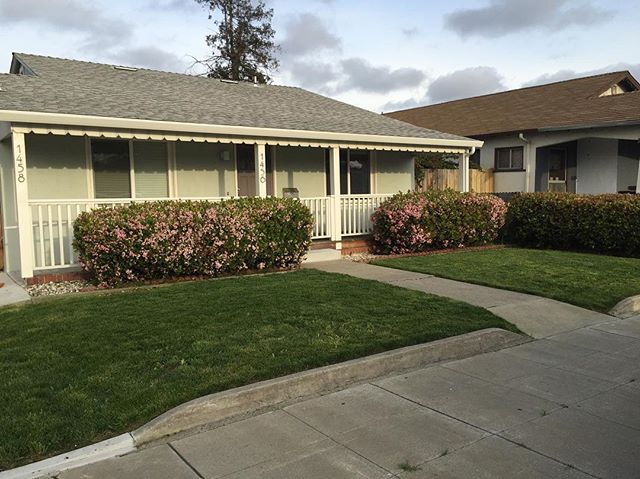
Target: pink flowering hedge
{"type": "Point", "coordinates": [420, 221]}
{"type": "Point", "coordinates": [154, 240]}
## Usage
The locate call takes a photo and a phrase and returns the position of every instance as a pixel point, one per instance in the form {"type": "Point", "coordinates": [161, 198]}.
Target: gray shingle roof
{"type": "Point", "coordinates": [83, 88]}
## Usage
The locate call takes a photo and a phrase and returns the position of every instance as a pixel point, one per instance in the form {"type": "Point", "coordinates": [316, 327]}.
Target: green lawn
{"type": "Point", "coordinates": [80, 369]}
{"type": "Point", "coordinates": [592, 281]}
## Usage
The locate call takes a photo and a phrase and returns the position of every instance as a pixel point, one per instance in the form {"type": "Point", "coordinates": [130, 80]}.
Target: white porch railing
{"type": "Point", "coordinates": [53, 220]}
{"type": "Point", "coordinates": [320, 208]}
{"type": "Point", "coordinates": [356, 213]}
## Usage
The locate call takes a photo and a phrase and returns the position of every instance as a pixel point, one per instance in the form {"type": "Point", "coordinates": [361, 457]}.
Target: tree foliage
{"type": "Point", "coordinates": [243, 44]}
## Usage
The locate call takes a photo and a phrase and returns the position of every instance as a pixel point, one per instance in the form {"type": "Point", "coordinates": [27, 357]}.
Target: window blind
{"type": "Point", "coordinates": [150, 169]}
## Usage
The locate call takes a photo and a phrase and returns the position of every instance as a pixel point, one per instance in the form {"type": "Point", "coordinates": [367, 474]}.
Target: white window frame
{"type": "Point", "coordinates": [172, 179]}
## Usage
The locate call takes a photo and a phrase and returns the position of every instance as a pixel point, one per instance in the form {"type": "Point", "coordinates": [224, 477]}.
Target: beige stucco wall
{"type": "Point", "coordinates": [504, 181]}
{"type": "Point", "coordinates": [201, 172]}
{"type": "Point", "coordinates": [394, 172]}
{"type": "Point", "coordinates": [302, 168]}
{"type": "Point", "coordinates": [56, 167]}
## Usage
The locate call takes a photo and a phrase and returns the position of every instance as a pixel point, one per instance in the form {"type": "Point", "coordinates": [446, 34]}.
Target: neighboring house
{"type": "Point", "coordinates": [577, 135]}
{"type": "Point", "coordinates": [76, 135]}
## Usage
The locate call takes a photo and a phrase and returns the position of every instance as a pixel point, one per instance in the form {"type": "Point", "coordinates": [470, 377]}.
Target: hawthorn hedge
{"type": "Point", "coordinates": [155, 240]}
{"type": "Point", "coordinates": [594, 223]}
{"type": "Point", "coordinates": [419, 221]}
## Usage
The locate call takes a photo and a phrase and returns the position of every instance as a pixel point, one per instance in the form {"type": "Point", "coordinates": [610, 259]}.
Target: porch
{"type": "Point", "coordinates": [50, 176]}
{"type": "Point", "coordinates": [52, 222]}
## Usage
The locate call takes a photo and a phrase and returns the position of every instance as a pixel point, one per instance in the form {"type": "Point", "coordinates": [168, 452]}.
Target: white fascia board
{"type": "Point", "coordinates": [135, 124]}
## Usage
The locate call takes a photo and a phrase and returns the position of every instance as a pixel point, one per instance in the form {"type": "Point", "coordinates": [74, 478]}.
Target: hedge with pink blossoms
{"type": "Point", "coordinates": [420, 221]}
{"type": "Point", "coordinates": [155, 240]}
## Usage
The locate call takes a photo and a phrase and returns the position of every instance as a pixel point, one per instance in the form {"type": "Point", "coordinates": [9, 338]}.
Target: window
{"type": "Point", "coordinates": [111, 168]}
{"type": "Point", "coordinates": [355, 172]}
{"type": "Point", "coordinates": [150, 169]}
{"type": "Point", "coordinates": [510, 159]}
{"type": "Point", "coordinates": [360, 172]}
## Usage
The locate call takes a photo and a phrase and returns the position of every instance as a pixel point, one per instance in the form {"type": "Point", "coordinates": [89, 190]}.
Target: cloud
{"type": "Point", "coordinates": [173, 4]}
{"type": "Point", "coordinates": [307, 34]}
{"type": "Point", "coordinates": [313, 75]}
{"type": "Point", "coordinates": [359, 75]}
{"type": "Point", "coordinates": [100, 31]}
{"type": "Point", "coordinates": [465, 83]}
{"type": "Point", "coordinates": [149, 57]}
{"type": "Point", "coordinates": [410, 32]}
{"type": "Point", "coordinates": [561, 75]}
{"type": "Point", "coordinates": [502, 17]}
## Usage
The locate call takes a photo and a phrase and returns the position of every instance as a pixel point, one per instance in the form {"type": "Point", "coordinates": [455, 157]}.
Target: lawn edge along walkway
{"type": "Point", "coordinates": [534, 315]}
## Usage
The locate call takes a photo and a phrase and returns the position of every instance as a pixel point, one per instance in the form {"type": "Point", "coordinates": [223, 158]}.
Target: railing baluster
{"type": "Point", "coordinates": [60, 235]}
{"type": "Point", "coordinates": [70, 235]}
{"type": "Point", "coordinates": [41, 235]}
{"type": "Point", "coordinates": [52, 248]}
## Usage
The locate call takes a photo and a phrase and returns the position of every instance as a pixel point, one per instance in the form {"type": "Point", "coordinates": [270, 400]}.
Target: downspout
{"type": "Point", "coordinates": [527, 162]}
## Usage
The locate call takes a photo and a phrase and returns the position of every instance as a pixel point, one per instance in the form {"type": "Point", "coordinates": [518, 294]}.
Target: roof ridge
{"type": "Point", "coordinates": [530, 87]}
{"type": "Point", "coordinates": [153, 70]}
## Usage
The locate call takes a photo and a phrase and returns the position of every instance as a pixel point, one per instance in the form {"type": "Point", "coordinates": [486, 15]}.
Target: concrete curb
{"type": "Point", "coordinates": [234, 402]}
{"type": "Point", "coordinates": [220, 406]}
{"type": "Point", "coordinates": [626, 308]}
{"type": "Point", "coordinates": [116, 446]}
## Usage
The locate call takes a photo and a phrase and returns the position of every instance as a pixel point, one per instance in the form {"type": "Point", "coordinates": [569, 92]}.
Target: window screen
{"type": "Point", "coordinates": [360, 172]}
{"type": "Point", "coordinates": [151, 171]}
{"type": "Point", "coordinates": [111, 176]}
{"type": "Point", "coordinates": [510, 158]}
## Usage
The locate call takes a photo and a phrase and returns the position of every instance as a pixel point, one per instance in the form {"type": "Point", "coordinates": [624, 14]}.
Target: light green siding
{"type": "Point", "coordinates": [301, 168]}
{"type": "Point", "coordinates": [56, 167]}
{"type": "Point", "coordinates": [201, 170]}
{"type": "Point", "coordinates": [394, 172]}
{"type": "Point", "coordinates": [151, 169]}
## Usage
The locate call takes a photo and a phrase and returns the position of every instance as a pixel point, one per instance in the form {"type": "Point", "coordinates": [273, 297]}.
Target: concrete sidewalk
{"type": "Point", "coordinates": [11, 292]}
{"type": "Point", "coordinates": [538, 317]}
{"type": "Point", "coordinates": [561, 407]}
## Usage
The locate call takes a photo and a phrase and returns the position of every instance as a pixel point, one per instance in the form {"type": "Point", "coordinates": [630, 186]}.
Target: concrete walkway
{"type": "Point", "coordinates": [561, 407]}
{"type": "Point", "coordinates": [538, 317]}
{"type": "Point", "coordinates": [11, 292]}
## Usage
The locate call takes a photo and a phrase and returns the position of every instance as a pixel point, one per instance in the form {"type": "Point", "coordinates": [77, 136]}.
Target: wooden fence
{"type": "Point", "coordinates": [480, 181]}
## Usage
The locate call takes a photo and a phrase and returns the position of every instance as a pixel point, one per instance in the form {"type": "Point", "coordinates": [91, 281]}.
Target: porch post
{"type": "Point", "coordinates": [638, 179]}
{"type": "Point", "coordinates": [25, 226]}
{"type": "Point", "coordinates": [463, 168]}
{"type": "Point", "coordinates": [334, 183]}
{"type": "Point", "coordinates": [261, 170]}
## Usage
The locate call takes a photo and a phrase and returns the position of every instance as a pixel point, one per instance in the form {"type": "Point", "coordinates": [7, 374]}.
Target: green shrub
{"type": "Point", "coordinates": [154, 240]}
{"type": "Point", "coordinates": [596, 223]}
{"type": "Point", "coordinates": [419, 221]}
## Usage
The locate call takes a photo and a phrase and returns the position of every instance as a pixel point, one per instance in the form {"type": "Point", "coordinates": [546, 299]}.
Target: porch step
{"type": "Point", "coordinates": [326, 254]}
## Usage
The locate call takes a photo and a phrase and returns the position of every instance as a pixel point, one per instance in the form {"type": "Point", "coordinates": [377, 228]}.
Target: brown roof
{"type": "Point", "coordinates": [565, 104]}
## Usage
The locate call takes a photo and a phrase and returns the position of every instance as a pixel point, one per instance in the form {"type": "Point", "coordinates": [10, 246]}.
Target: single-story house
{"type": "Point", "coordinates": [77, 135]}
{"type": "Point", "coordinates": [577, 135]}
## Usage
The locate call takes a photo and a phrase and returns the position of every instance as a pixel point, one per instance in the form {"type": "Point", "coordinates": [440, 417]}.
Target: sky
{"type": "Point", "coordinates": [381, 55]}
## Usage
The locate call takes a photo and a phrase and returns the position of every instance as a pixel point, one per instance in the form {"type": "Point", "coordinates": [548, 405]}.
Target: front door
{"type": "Point", "coordinates": [558, 170]}
{"type": "Point", "coordinates": [245, 157]}
{"type": "Point", "coordinates": [246, 165]}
